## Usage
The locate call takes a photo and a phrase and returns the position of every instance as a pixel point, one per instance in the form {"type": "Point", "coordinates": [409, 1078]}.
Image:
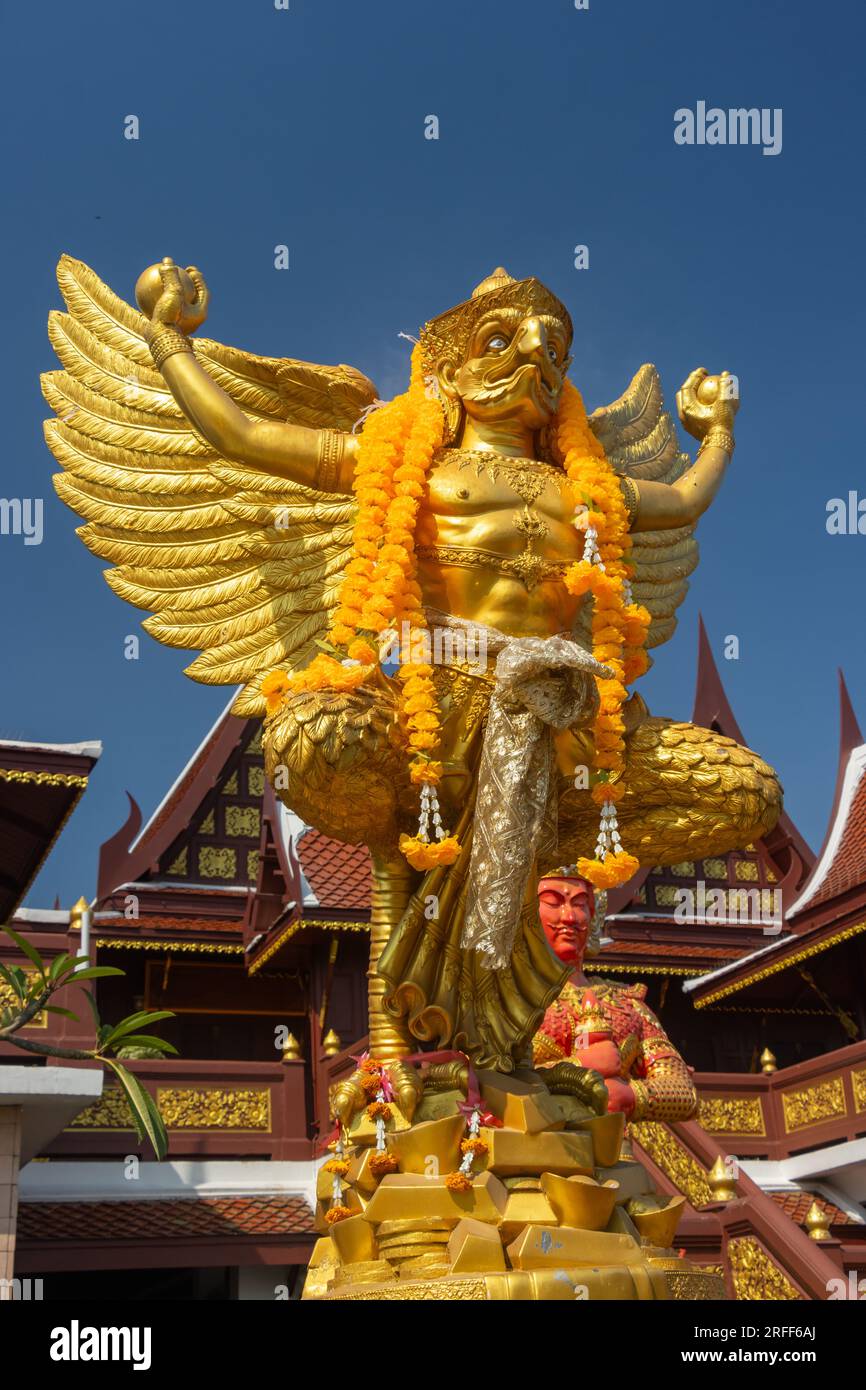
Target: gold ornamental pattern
{"type": "Point", "coordinates": [674, 1160]}
{"type": "Point", "coordinates": [858, 1085]}
{"type": "Point", "coordinates": [219, 1108]}
{"type": "Point", "coordinates": [757, 1277]}
{"type": "Point", "coordinates": [732, 1115]}
{"type": "Point", "coordinates": [183, 1107]}
{"type": "Point", "coordinates": [9, 1000]}
{"type": "Point", "coordinates": [242, 820]}
{"type": "Point", "coordinates": [813, 1104]}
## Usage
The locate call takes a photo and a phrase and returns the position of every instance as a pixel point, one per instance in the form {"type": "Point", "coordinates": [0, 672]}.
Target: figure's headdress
{"type": "Point", "coordinates": [449, 334]}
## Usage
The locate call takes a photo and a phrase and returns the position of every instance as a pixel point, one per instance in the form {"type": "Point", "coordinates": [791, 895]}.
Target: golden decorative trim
{"type": "Point", "coordinates": [756, 1276]}
{"type": "Point", "coordinates": [674, 1160]}
{"type": "Point", "coordinates": [132, 943]}
{"type": "Point", "coordinates": [224, 1107]}
{"type": "Point", "coordinates": [858, 1085]}
{"type": "Point", "coordinates": [292, 927]}
{"type": "Point", "coordinates": [770, 1009]}
{"type": "Point", "coordinates": [764, 974]}
{"type": "Point", "coordinates": [43, 779]}
{"type": "Point", "coordinates": [608, 966]}
{"type": "Point", "coordinates": [186, 1107]}
{"type": "Point", "coordinates": [111, 1111]}
{"type": "Point", "coordinates": [813, 1104]}
{"type": "Point", "coordinates": [743, 1115]}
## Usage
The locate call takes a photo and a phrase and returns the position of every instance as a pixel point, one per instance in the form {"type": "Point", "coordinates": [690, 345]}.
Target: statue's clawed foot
{"type": "Point", "coordinates": [566, 1079]}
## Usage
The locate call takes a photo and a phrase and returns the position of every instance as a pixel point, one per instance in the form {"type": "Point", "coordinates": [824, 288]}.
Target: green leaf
{"type": "Point", "coordinates": [21, 985]}
{"type": "Point", "coordinates": [29, 951]}
{"type": "Point", "coordinates": [95, 972]}
{"type": "Point", "coordinates": [5, 975]}
{"type": "Point", "coordinates": [58, 965]}
{"type": "Point", "coordinates": [158, 1125]}
{"type": "Point", "coordinates": [148, 1121]}
{"type": "Point", "coordinates": [129, 1025]}
{"type": "Point", "coordinates": [148, 1040]}
{"type": "Point", "coordinates": [55, 1009]}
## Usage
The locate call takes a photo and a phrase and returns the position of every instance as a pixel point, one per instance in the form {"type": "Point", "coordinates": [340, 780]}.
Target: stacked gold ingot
{"type": "Point", "coordinates": [415, 1248]}
{"type": "Point", "coordinates": [557, 1209]}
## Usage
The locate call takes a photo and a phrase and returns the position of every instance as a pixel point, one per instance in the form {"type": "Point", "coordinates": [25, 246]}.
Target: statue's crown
{"type": "Point", "coordinates": [449, 334]}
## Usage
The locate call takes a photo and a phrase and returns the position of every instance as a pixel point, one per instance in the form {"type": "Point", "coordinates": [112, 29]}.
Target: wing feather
{"type": "Point", "coordinates": [243, 567]}
{"type": "Point", "coordinates": [640, 441]}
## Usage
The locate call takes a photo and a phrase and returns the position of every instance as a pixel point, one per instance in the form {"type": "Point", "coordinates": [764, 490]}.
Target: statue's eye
{"type": "Point", "coordinates": [553, 354]}
{"type": "Point", "coordinates": [497, 343]}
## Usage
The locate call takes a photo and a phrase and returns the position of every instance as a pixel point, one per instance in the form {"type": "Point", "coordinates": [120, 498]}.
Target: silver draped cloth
{"type": "Point", "coordinates": [437, 964]}
{"type": "Point", "coordinates": [543, 684]}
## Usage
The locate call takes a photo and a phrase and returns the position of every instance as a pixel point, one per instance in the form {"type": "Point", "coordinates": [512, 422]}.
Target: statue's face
{"type": "Point", "coordinates": [565, 906]}
{"type": "Point", "coordinates": [514, 368]}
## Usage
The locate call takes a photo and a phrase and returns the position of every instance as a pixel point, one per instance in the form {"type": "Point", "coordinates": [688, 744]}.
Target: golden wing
{"type": "Point", "coordinates": [241, 566]}
{"type": "Point", "coordinates": [640, 441]}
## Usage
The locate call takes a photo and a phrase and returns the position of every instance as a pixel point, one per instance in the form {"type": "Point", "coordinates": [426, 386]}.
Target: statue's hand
{"type": "Point", "coordinates": [704, 401]}
{"type": "Point", "coordinates": [168, 294]}
{"type": "Point", "coordinates": [602, 1057]}
{"type": "Point", "coordinates": [620, 1095]}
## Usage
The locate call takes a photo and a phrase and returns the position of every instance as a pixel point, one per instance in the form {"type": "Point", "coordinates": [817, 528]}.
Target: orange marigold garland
{"type": "Point", "coordinates": [380, 592]}
{"type": "Point", "coordinates": [338, 1167]}
{"type": "Point", "coordinates": [619, 625]}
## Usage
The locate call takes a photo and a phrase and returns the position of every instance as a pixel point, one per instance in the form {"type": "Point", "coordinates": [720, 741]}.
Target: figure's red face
{"type": "Point", "coordinates": [565, 906]}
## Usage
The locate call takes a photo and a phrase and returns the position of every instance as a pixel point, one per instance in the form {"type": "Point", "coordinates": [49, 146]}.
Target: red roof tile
{"type": "Point", "coordinates": [797, 1204]}
{"type": "Point", "coordinates": [163, 1220]}
{"type": "Point", "coordinates": [848, 868]}
{"type": "Point", "coordinates": [338, 874]}
{"type": "Point", "coordinates": [670, 948]}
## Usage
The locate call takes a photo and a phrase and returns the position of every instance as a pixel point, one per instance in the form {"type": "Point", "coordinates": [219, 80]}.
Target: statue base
{"type": "Point", "coordinates": [558, 1208]}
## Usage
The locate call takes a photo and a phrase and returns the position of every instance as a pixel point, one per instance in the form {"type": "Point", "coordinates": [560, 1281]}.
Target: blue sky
{"type": "Point", "coordinates": [306, 127]}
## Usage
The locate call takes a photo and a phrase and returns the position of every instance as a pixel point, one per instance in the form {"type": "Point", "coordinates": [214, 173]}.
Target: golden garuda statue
{"type": "Point", "coordinates": [438, 602]}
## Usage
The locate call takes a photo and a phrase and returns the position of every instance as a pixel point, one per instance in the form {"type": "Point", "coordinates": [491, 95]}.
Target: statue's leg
{"type": "Point", "coordinates": [392, 887]}
{"type": "Point", "coordinates": [689, 792]}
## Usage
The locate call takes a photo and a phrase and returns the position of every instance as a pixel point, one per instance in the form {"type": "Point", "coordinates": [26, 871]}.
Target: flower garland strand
{"type": "Point", "coordinates": [338, 1167]}
{"type": "Point", "coordinates": [619, 625]}
{"type": "Point", "coordinates": [380, 591]}
{"type": "Point", "coordinates": [472, 1147]}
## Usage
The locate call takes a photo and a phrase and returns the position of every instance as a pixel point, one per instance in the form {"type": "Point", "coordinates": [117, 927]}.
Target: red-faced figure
{"type": "Point", "coordinates": [565, 906]}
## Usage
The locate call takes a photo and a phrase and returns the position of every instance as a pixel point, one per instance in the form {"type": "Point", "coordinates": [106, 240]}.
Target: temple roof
{"type": "Point", "coordinates": [338, 874]}
{"type": "Point", "coordinates": [40, 786]}
{"type": "Point", "coordinates": [751, 883]}
{"type": "Point", "coordinates": [829, 906]}
{"type": "Point", "coordinates": [841, 864]}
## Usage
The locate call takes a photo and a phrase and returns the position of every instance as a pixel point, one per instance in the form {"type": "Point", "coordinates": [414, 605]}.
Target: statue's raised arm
{"type": "Point", "coordinates": [211, 479]}
{"type": "Point", "coordinates": [176, 303]}
{"type": "Point", "coordinates": [707, 406]}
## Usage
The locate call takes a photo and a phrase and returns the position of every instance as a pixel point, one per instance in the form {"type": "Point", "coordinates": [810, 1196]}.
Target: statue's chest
{"type": "Point", "coordinates": [477, 485]}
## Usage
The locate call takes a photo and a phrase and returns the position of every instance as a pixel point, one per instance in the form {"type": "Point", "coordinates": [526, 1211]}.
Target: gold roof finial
{"type": "Point", "coordinates": [721, 1181]}
{"type": "Point", "coordinates": [817, 1223]}
{"type": "Point", "coordinates": [768, 1062]}
{"type": "Point", "coordinates": [76, 912]}
{"type": "Point", "coordinates": [496, 280]}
